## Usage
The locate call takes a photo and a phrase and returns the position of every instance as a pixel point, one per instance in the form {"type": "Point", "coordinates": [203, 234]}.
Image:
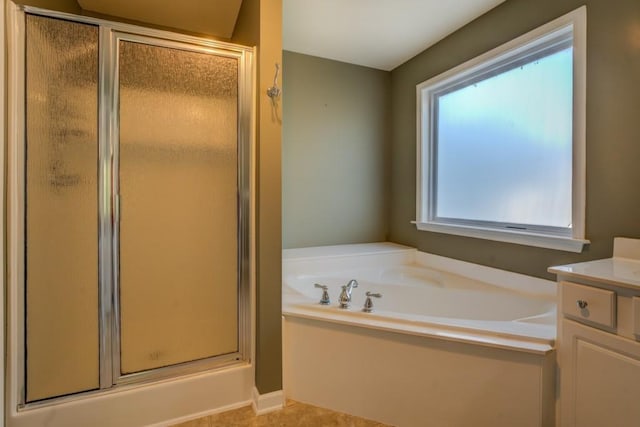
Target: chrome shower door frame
{"type": "Point", "coordinates": [110, 33]}
{"type": "Point", "coordinates": [117, 36]}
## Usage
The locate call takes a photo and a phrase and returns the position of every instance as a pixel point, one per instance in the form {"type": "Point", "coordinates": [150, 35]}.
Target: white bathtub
{"type": "Point", "coordinates": [485, 334]}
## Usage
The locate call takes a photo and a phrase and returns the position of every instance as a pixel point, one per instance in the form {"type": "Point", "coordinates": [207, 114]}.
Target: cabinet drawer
{"type": "Point", "coordinates": [598, 305]}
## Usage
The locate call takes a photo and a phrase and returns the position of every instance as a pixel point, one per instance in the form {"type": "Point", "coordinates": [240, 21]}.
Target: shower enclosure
{"type": "Point", "coordinates": [129, 206]}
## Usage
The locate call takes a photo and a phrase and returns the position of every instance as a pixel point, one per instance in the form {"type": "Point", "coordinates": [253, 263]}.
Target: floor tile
{"type": "Point", "coordinates": [294, 414]}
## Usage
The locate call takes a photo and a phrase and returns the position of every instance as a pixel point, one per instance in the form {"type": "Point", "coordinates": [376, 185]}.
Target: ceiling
{"type": "Point", "coordinates": [375, 33]}
{"type": "Point", "coordinates": [215, 17]}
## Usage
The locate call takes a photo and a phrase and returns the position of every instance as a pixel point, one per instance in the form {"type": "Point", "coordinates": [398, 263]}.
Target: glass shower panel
{"type": "Point", "coordinates": [178, 185]}
{"type": "Point", "coordinates": [61, 290]}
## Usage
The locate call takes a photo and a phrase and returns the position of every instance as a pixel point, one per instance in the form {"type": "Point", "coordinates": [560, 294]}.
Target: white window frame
{"type": "Point", "coordinates": [573, 239]}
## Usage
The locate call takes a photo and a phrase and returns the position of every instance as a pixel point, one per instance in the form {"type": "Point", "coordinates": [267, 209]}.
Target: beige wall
{"type": "Point", "coordinates": [334, 146]}
{"type": "Point", "coordinates": [69, 6]}
{"type": "Point", "coordinates": [613, 132]}
{"type": "Point", "coordinates": [260, 23]}
{"type": "Point", "coordinates": [3, 210]}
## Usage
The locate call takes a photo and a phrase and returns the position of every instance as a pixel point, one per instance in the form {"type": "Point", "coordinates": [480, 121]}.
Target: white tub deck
{"type": "Point", "coordinates": [517, 312]}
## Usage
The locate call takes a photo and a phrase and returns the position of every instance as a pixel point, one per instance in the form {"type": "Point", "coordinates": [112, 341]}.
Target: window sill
{"type": "Point", "coordinates": [567, 244]}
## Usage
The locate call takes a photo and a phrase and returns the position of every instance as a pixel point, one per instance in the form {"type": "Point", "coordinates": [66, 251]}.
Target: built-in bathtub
{"type": "Point", "coordinates": [449, 343]}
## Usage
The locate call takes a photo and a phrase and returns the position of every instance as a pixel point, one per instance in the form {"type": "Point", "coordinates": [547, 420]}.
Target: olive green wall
{"type": "Point", "coordinates": [613, 129]}
{"type": "Point", "coordinates": [334, 152]}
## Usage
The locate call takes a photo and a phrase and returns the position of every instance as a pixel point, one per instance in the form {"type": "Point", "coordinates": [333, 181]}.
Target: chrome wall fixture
{"type": "Point", "coordinates": [274, 91]}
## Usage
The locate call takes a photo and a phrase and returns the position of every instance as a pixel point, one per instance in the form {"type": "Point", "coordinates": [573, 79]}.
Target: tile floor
{"type": "Point", "coordinates": [294, 414]}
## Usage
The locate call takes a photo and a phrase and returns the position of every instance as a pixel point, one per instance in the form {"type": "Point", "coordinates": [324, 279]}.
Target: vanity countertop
{"type": "Point", "coordinates": [623, 269]}
{"type": "Point", "coordinates": [621, 272]}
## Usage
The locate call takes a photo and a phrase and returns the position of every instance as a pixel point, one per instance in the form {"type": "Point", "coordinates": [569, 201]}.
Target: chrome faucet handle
{"type": "Point", "coordinates": [368, 304]}
{"type": "Point", "coordinates": [325, 300]}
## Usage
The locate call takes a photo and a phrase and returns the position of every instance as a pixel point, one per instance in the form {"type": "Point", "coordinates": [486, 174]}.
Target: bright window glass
{"type": "Point", "coordinates": [501, 141]}
{"type": "Point", "coordinates": [504, 146]}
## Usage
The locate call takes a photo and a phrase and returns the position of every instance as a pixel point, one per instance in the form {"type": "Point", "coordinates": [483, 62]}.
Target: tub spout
{"type": "Point", "coordinates": [345, 295]}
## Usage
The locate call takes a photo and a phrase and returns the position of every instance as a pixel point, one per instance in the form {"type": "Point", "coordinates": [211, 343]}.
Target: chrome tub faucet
{"type": "Point", "coordinates": [345, 295]}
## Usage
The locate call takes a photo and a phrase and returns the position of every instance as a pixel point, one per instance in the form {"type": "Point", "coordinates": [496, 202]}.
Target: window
{"type": "Point", "coordinates": [501, 142]}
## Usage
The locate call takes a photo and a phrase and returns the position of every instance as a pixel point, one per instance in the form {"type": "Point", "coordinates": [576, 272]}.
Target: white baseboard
{"type": "Point", "coordinates": [263, 403]}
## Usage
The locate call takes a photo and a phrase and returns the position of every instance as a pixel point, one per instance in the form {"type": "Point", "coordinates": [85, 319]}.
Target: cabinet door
{"type": "Point", "coordinates": [600, 378]}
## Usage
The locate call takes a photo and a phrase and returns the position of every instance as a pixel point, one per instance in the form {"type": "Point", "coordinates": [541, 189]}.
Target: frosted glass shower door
{"type": "Point", "coordinates": [61, 208]}
{"type": "Point", "coordinates": [178, 198]}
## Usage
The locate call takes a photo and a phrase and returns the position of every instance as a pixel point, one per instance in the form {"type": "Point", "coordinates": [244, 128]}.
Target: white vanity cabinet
{"type": "Point", "coordinates": [599, 378]}
{"type": "Point", "coordinates": [599, 340]}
